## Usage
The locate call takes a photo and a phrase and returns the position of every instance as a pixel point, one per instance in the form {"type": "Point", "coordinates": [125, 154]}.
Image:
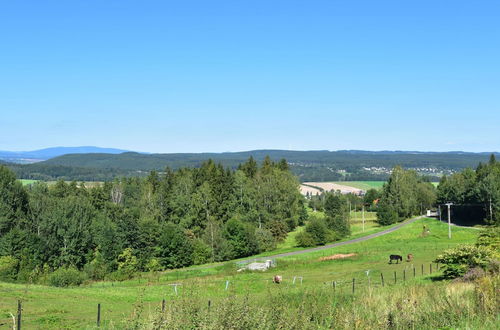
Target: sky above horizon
{"type": "Point", "coordinates": [215, 76]}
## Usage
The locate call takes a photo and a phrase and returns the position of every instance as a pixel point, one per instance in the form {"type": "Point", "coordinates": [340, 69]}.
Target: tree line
{"type": "Point", "coordinates": [475, 194]}
{"type": "Point", "coordinates": [165, 220]}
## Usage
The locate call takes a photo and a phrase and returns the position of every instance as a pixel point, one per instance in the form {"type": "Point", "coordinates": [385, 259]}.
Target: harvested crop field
{"type": "Point", "coordinates": [331, 186]}
{"type": "Point", "coordinates": [306, 189]}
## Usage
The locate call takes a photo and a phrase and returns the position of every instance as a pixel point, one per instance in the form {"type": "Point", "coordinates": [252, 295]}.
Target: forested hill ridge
{"type": "Point", "coordinates": [307, 165]}
{"type": "Point", "coordinates": [27, 157]}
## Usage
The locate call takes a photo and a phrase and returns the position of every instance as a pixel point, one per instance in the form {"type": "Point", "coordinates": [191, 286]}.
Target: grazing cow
{"type": "Point", "coordinates": [395, 257]}
{"type": "Point", "coordinates": [409, 257]}
{"type": "Point", "coordinates": [277, 279]}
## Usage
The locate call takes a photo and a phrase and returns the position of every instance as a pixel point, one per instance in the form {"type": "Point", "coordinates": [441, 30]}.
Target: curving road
{"type": "Point", "coordinates": [328, 246]}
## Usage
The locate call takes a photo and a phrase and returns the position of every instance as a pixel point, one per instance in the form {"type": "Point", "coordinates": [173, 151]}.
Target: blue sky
{"type": "Point", "coordinates": [193, 76]}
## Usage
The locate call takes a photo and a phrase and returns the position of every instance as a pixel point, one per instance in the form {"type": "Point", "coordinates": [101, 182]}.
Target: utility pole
{"type": "Point", "coordinates": [449, 219]}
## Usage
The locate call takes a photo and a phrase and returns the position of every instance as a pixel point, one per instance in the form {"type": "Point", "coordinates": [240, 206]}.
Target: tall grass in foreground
{"type": "Point", "coordinates": [411, 306]}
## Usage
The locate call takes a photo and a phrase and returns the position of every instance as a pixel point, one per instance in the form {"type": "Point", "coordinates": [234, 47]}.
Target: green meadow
{"type": "Point", "coordinates": [137, 300]}
{"type": "Point", "coordinates": [365, 185]}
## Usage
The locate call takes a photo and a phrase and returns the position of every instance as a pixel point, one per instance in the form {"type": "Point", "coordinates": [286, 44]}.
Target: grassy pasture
{"type": "Point", "coordinates": [49, 307]}
{"type": "Point", "coordinates": [26, 182]}
{"type": "Point", "coordinates": [365, 185]}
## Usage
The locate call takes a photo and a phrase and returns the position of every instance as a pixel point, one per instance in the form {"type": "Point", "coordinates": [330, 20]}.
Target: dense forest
{"type": "Point", "coordinates": [306, 165]}
{"type": "Point", "coordinates": [179, 218]}
{"type": "Point", "coordinates": [475, 194]}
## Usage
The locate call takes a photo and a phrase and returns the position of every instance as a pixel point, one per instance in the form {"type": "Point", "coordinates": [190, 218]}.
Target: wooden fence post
{"type": "Point", "coordinates": [353, 285]}
{"type": "Point", "coordinates": [163, 305]}
{"type": "Point", "coordinates": [382, 277]}
{"type": "Point", "coordinates": [404, 275]}
{"type": "Point", "coordinates": [19, 314]}
{"type": "Point", "coordinates": [430, 268]}
{"type": "Point", "coordinates": [209, 304]}
{"type": "Point", "coordinates": [414, 272]}
{"type": "Point", "coordinates": [422, 269]}
{"type": "Point", "coordinates": [395, 278]}
{"type": "Point", "coordinates": [98, 315]}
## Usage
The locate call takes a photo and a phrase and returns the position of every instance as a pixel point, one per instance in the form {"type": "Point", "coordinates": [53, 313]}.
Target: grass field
{"type": "Point", "coordinates": [27, 181]}
{"type": "Point", "coordinates": [365, 185]}
{"type": "Point", "coordinates": [49, 307]}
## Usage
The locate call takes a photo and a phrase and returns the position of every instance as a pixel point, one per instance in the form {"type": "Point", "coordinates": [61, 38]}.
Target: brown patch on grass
{"type": "Point", "coordinates": [338, 256]}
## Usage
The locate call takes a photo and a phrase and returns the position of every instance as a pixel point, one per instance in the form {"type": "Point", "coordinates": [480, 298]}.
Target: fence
{"type": "Point", "coordinates": [352, 286]}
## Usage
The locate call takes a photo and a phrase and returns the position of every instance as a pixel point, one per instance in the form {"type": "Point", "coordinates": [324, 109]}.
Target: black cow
{"type": "Point", "coordinates": [395, 257]}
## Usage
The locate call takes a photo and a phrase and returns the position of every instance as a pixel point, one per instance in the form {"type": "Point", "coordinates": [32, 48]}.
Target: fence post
{"type": "Point", "coordinates": [422, 269]}
{"type": "Point", "coordinates": [395, 278]}
{"type": "Point", "coordinates": [19, 314]}
{"type": "Point", "coordinates": [209, 304]}
{"type": "Point", "coordinates": [430, 268]}
{"type": "Point", "coordinates": [414, 272]}
{"type": "Point", "coordinates": [404, 275]}
{"type": "Point", "coordinates": [382, 277]}
{"type": "Point", "coordinates": [163, 305]}
{"type": "Point", "coordinates": [334, 284]}
{"type": "Point", "coordinates": [353, 285]}
{"type": "Point", "coordinates": [98, 315]}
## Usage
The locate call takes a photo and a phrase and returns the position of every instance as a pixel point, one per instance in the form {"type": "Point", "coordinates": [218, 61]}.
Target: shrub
{"type": "Point", "coordinates": [96, 269]}
{"type": "Point", "coordinates": [64, 277]}
{"type": "Point", "coordinates": [202, 253]}
{"type": "Point", "coordinates": [304, 239]}
{"type": "Point", "coordinates": [8, 268]}
{"type": "Point", "coordinates": [127, 263]}
{"type": "Point", "coordinates": [386, 215]}
{"type": "Point", "coordinates": [318, 229]}
{"type": "Point", "coordinates": [153, 265]}
{"type": "Point", "coordinates": [489, 237]}
{"type": "Point", "coordinates": [457, 261]}
{"type": "Point", "coordinates": [265, 240]}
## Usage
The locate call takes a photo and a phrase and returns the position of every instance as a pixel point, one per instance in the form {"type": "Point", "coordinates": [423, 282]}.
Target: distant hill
{"type": "Point", "coordinates": [342, 165]}
{"type": "Point", "coordinates": [23, 157]}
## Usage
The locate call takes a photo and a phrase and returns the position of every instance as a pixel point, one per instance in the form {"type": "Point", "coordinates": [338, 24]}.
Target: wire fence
{"type": "Point", "coordinates": [357, 283]}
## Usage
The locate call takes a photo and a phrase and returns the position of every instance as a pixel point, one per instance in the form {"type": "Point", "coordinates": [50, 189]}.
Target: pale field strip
{"type": "Point", "coordinates": [312, 191]}
{"type": "Point", "coordinates": [329, 186]}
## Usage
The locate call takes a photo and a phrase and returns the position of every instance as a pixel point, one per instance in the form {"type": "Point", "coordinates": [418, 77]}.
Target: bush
{"type": "Point", "coordinates": [457, 261]}
{"type": "Point", "coordinates": [64, 277]}
{"type": "Point", "coordinates": [202, 253]}
{"type": "Point", "coordinates": [119, 276]}
{"type": "Point", "coordinates": [265, 240]}
{"type": "Point", "coordinates": [96, 269]}
{"type": "Point", "coordinates": [489, 237]}
{"type": "Point", "coordinates": [386, 215]}
{"type": "Point", "coordinates": [304, 239]}
{"type": "Point", "coordinates": [127, 263]}
{"type": "Point", "coordinates": [153, 265]}
{"type": "Point", "coordinates": [8, 268]}
{"type": "Point", "coordinates": [318, 230]}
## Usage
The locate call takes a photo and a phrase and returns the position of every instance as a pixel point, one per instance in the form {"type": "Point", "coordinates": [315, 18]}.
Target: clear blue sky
{"type": "Point", "coordinates": [192, 76]}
